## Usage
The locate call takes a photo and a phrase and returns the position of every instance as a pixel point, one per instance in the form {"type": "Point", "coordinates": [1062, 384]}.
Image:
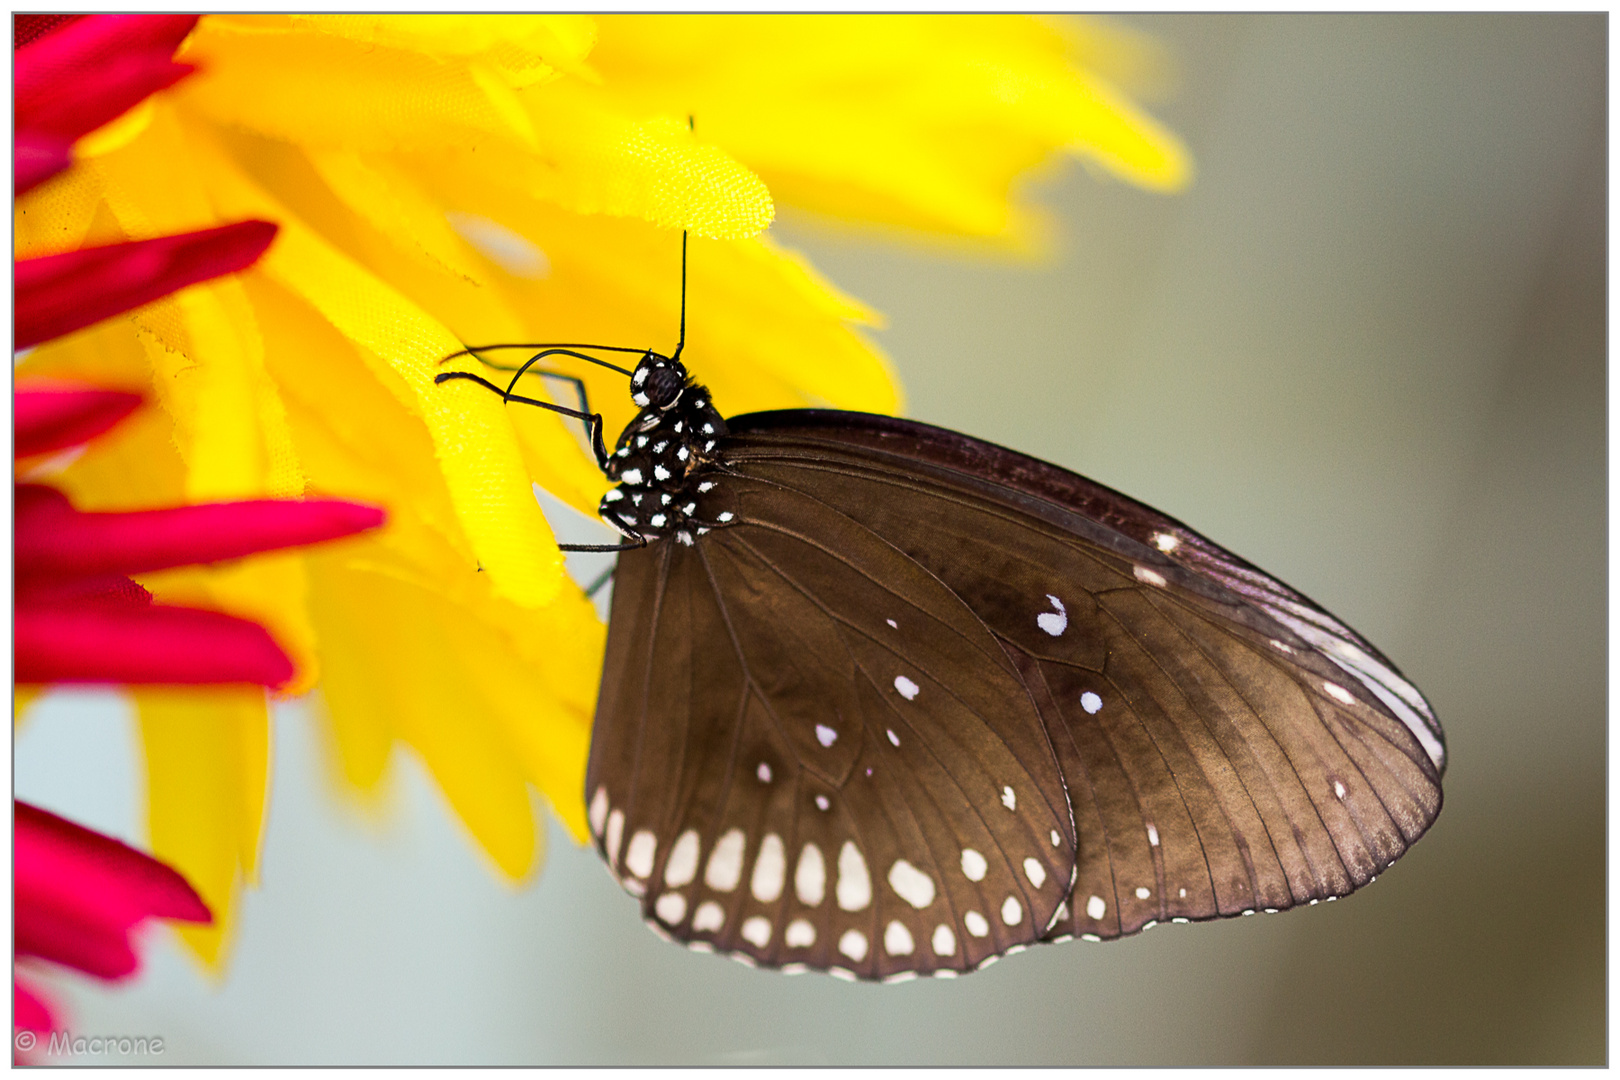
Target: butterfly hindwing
{"type": "Point", "coordinates": [1227, 746]}
{"type": "Point", "coordinates": [828, 759]}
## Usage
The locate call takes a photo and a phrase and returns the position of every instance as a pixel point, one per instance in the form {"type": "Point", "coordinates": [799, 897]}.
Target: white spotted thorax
{"type": "Point", "coordinates": [664, 462]}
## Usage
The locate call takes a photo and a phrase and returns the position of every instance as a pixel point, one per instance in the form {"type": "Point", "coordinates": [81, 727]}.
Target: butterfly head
{"type": "Point", "coordinates": [657, 382]}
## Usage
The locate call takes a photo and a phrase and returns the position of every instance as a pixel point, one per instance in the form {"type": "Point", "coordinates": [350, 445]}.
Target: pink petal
{"type": "Point", "coordinates": [78, 894]}
{"type": "Point", "coordinates": [58, 294]}
{"type": "Point", "coordinates": [79, 106]}
{"type": "Point", "coordinates": [53, 417]}
{"type": "Point", "coordinates": [78, 51]}
{"type": "Point", "coordinates": [108, 643]}
{"type": "Point", "coordinates": [27, 28]}
{"type": "Point", "coordinates": [30, 1011]}
{"type": "Point", "coordinates": [54, 539]}
{"type": "Point", "coordinates": [36, 158]}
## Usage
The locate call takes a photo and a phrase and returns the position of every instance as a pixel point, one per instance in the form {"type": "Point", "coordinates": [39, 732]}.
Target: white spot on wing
{"type": "Point", "coordinates": [757, 931]}
{"type": "Point", "coordinates": [763, 772]}
{"type": "Point", "coordinates": [853, 945]}
{"type": "Point", "coordinates": [599, 810]}
{"type": "Point", "coordinates": [1338, 789]}
{"type": "Point", "coordinates": [892, 623]}
{"type": "Point", "coordinates": [897, 940]}
{"type": "Point", "coordinates": [1096, 907]}
{"type": "Point", "coordinates": [854, 883]}
{"type": "Point", "coordinates": [683, 860]}
{"type": "Point", "coordinates": [1142, 892]}
{"type": "Point", "coordinates": [1165, 542]}
{"type": "Point", "coordinates": [615, 831]}
{"type": "Point", "coordinates": [907, 688]}
{"type": "Point", "coordinates": [1012, 912]}
{"type": "Point", "coordinates": [631, 476]}
{"type": "Point", "coordinates": [1153, 835]}
{"type": "Point", "coordinates": [1090, 702]}
{"type": "Point", "coordinates": [799, 934]}
{"type": "Point", "coordinates": [975, 924]}
{"type": "Point", "coordinates": [1150, 577]}
{"type": "Point", "coordinates": [973, 864]}
{"type": "Point", "coordinates": [911, 884]}
{"type": "Point", "coordinates": [825, 735]}
{"type": "Point", "coordinates": [1054, 623]}
{"type": "Point", "coordinates": [726, 861]}
{"type": "Point", "coordinates": [671, 907]}
{"type": "Point", "coordinates": [1056, 839]}
{"type": "Point", "coordinates": [1035, 872]}
{"type": "Point", "coordinates": [821, 802]}
{"type": "Point", "coordinates": [770, 870]}
{"type": "Point", "coordinates": [810, 878]}
{"type": "Point", "coordinates": [893, 737]}
{"type": "Point", "coordinates": [638, 858]}
{"type": "Point", "coordinates": [709, 917]}
{"type": "Point", "coordinates": [1008, 799]}
{"type": "Point", "coordinates": [660, 473]}
{"type": "Point", "coordinates": [944, 941]}
{"type": "Point", "coordinates": [1339, 692]}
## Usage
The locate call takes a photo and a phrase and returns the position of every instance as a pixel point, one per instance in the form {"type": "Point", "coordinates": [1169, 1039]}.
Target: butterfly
{"type": "Point", "coordinates": [884, 700]}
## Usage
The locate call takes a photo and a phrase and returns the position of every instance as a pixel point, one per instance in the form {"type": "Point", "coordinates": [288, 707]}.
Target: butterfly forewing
{"type": "Point", "coordinates": [1227, 746]}
{"type": "Point", "coordinates": [818, 755]}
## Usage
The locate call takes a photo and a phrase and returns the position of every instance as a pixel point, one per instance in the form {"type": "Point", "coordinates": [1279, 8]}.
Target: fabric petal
{"type": "Point", "coordinates": [78, 108]}
{"type": "Point", "coordinates": [207, 772]}
{"type": "Point", "coordinates": [27, 27]}
{"type": "Point", "coordinates": [53, 538]}
{"type": "Point", "coordinates": [78, 893]}
{"type": "Point", "coordinates": [480, 461]}
{"type": "Point", "coordinates": [392, 656]}
{"type": "Point", "coordinates": [55, 417]}
{"type": "Point", "coordinates": [70, 54]}
{"type": "Point", "coordinates": [29, 1010]}
{"type": "Point", "coordinates": [58, 294]}
{"type": "Point", "coordinates": [111, 643]}
{"type": "Point", "coordinates": [36, 158]}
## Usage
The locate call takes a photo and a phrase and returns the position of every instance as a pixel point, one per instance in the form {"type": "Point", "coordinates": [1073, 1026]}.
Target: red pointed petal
{"type": "Point", "coordinates": [58, 294]}
{"type": "Point", "coordinates": [79, 107]}
{"type": "Point", "coordinates": [54, 539]}
{"type": "Point", "coordinates": [53, 417]}
{"type": "Point", "coordinates": [30, 1010]}
{"type": "Point", "coordinates": [98, 589]}
{"type": "Point", "coordinates": [64, 937]}
{"type": "Point", "coordinates": [79, 50]}
{"type": "Point", "coordinates": [78, 894]}
{"type": "Point", "coordinates": [37, 158]}
{"type": "Point", "coordinates": [27, 28]}
{"type": "Point", "coordinates": [54, 855]}
{"type": "Point", "coordinates": [107, 643]}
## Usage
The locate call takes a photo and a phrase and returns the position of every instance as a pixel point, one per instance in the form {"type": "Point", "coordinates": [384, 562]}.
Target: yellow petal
{"type": "Point", "coordinates": [474, 444]}
{"type": "Point", "coordinates": [918, 121]}
{"type": "Point", "coordinates": [207, 769]}
{"type": "Point", "coordinates": [392, 658]}
{"type": "Point", "coordinates": [318, 89]}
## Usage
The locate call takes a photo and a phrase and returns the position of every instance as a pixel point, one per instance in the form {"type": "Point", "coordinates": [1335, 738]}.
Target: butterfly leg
{"type": "Point", "coordinates": [592, 421]}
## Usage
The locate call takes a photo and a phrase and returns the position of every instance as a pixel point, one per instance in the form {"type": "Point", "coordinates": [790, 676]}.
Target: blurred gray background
{"type": "Point", "coordinates": [1366, 350]}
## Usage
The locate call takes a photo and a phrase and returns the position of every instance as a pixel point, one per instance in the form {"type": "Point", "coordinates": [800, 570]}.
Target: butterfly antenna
{"type": "Point", "coordinates": [681, 344]}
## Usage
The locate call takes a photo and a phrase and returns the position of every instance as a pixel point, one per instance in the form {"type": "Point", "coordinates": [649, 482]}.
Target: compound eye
{"type": "Point", "coordinates": [664, 385]}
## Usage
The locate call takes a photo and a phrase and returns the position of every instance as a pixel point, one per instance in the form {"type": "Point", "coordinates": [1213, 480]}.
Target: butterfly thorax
{"type": "Point", "coordinates": [664, 461]}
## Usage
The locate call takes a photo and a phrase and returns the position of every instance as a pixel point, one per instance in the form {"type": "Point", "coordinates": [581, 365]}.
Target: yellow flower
{"type": "Point", "coordinates": [447, 179]}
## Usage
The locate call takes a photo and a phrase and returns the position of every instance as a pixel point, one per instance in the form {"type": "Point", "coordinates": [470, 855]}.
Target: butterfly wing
{"type": "Point", "coordinates": [809, 752]}
{"type": "Point", "coordinates": [1228, 746]}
